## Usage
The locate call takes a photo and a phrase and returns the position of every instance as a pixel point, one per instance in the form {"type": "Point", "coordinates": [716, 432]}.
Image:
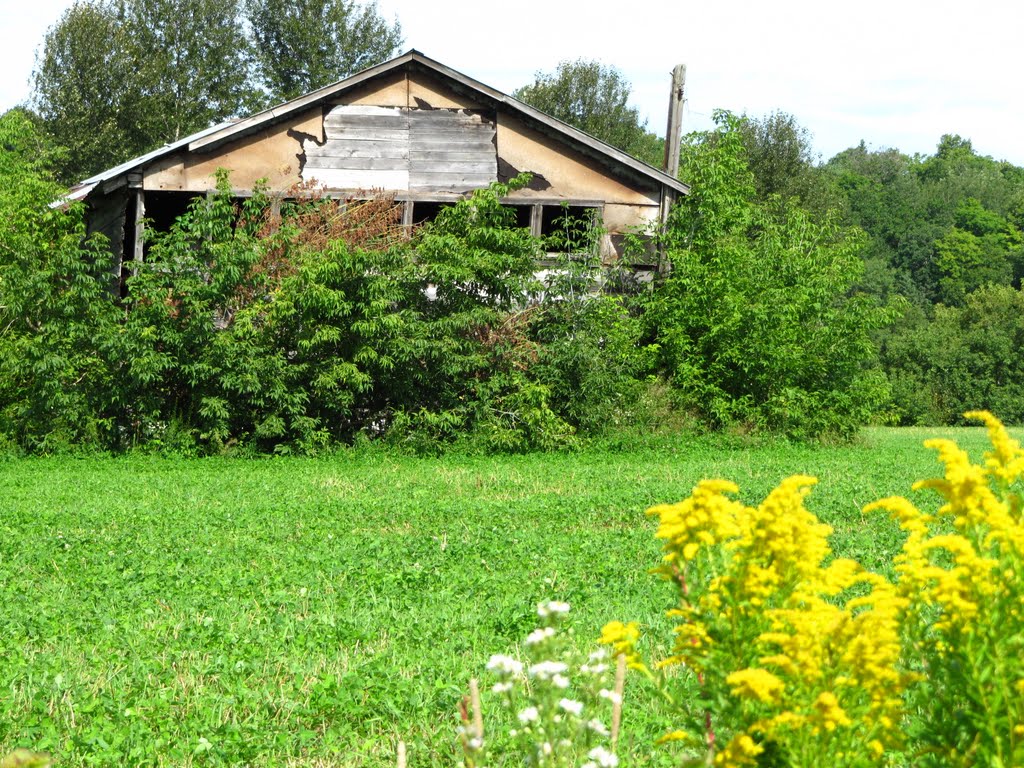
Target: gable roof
{"type": "Point", "coordinates": [217, 135]}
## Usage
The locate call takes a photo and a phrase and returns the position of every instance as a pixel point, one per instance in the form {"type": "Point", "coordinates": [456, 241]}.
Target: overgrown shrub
{"type": "Point", "coordinates": [56, 311]}
{"type": "Point", "coordinates": [757, 324]}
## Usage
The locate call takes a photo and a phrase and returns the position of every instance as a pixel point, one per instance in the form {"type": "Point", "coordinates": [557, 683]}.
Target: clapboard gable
{"type": "Point", "coordinates": [398, 148]}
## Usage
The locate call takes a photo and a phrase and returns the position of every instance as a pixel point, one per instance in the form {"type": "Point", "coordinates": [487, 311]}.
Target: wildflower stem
{"type": "Point", "coordinates": [620, 686]}
{"type": "Point", "coordinates": [474, 702]}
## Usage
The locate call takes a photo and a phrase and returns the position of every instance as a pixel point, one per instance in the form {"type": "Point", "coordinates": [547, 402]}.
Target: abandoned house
{"type": "Point", "coordinates": [410, 127]}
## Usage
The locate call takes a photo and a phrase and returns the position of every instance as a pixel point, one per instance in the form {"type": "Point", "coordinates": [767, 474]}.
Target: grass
{"type": "Point", "coordinates": [310, 612]}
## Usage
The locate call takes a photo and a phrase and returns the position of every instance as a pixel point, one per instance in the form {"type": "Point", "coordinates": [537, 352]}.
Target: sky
{"type": "Point", "coordinates": [891, 73]}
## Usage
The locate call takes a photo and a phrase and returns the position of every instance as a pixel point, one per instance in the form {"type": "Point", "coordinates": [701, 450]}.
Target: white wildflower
{"type": "Point", "coordinates": [504, 665]}
{"type": "Point", "coordinates": [552, 608]}
{"type": "Point", "coordinates": [546, 748]}
{"type": "Point", "coordinates": [612, 696]}
{"type": "Point", "coordinates": [545, 670]}
{"type": "Point", "coordinates": [597, 727]}
{"type": "Point", "coordinates": [603, 757]}
{"type": "Point", "coordinates": [501, 687]}
{"type": "Point", "coordinates": [599, 655]}
{"type": "Point", "coordinates": [540, 635]}
{"type": "Point", "coordinates": [475, 744]}
{"type": "Point", "coordinates": [529, 715]}
{"type": "Point", "coordinates": [593, 669]}
{"type": "Point", "coordinates": [571, 706]}
{"type": "Point", "coordinates": [560, 681]}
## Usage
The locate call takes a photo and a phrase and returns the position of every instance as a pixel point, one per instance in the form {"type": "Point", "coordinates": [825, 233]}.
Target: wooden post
{"type": "Point", "coordinates": [673, 141]}
{"type": "Point", "coordinates": [135, 185]}
{"type": "Point", "coordinates": [674, 131]}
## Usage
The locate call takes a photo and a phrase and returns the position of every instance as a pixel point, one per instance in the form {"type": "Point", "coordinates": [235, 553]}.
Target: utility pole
{"type": "Point", "coordinates": [674, 132]}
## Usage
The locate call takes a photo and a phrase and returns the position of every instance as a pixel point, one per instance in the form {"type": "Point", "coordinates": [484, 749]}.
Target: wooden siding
{"type": "Point", "coordinates": [398, 149]}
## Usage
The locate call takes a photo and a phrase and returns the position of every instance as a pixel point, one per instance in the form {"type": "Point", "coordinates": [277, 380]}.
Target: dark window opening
{"type": "Point", "coordinates": [163, 208]}
{"type": "Point", "coordinates": [424, 211]}
{"type": "Point", "coordinates": [567, 228]}
{"type": "Point", "coordinates": [524, 215]}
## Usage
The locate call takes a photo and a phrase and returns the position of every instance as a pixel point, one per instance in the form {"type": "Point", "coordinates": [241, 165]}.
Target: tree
{"type": "Point", "coordinates": [193, 62]}
{"type": "Point", "coordinates": [85, 88]}
{"type": "Point", "coordinates": [301, 45]}
{"type": "Point", "coordinates": [56, 308]}
{"type": "Point", "coordinates": [782, 159]}
{"type": "Point", "coordinates": [962, 358]}
{"type": "Point", "coordinates": [594, 98]}
{"type": "Point", "coordinates": [757, 323]}
{"type": "Point", "coordinates": [117, 78]}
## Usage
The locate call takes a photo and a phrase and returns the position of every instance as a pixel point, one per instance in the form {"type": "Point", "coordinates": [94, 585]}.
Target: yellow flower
{"type": "Point", "coordinates": [1006, 460]}
{"type": "Point", "coordinates": [623, 639]}
{"type": "Point", "coordinates": [830, 714]}
{"type": "Point", "coordinates": [741, 750]}
{"type": "Point", "coordinates": [673, 736]}
{"type": "Point", "coordinates": [706, 518]}
{"type": "Point", "coordinates": [756, 683]}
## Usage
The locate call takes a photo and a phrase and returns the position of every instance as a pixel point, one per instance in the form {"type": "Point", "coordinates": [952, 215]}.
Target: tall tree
{"type": "Point", "coordinates": [116, 78]}
{"type": "Point", "coordinates": [194, 64]}
{"type": "Point", "coordinates": [56, 308]}
{"type": "Point", "coordinates": [85, 87]}
{"type": "Point", "coordinates": [781, 157]}
{"type": "Point", "coordinates": [594, 97]}
{"type": "Point", "coordinates": [302, 45]}
{"type": "Point", "coordinates": [757, 323]}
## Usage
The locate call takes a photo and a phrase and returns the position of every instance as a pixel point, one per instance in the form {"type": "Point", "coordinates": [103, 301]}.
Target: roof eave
{"type": "Point", "coordinates": [208, 139]}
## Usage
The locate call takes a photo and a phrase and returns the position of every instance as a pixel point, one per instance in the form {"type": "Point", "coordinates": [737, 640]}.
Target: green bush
{"type": "Point", "coordinates": [56, 309]}
{"type": "Point", "coordinates": [756, 324]}
{"type": "Point", "coordinates": [961, 355]}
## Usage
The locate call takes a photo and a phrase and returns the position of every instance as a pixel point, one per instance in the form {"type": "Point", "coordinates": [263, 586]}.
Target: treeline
{"type": "Point", "coordinates": [322, 323]}
{"type": "Point", "coordinates": [945, 237]}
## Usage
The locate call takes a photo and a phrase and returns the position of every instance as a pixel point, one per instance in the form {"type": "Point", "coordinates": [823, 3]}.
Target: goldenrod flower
{"type": "Point", "coordinates": [623, 639]}
{"type": "Point", "coordinates": [756, 683]}
{"type": "Point", "coordinates": [741, 750]}
{"type": "Point", "coordinates": [829, 713]}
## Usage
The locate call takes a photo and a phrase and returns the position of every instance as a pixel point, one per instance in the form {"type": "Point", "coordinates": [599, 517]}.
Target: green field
{"type": "Point", "coordinates": [312, 611]}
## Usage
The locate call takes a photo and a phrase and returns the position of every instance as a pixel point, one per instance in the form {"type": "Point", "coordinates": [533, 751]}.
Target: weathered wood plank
{"type": "Point", "coordinates": [337, 178]}
{"type": "Point", "coordinates": [427, 144]}
{"type": "Point", "coordinates": [366, 125]}
{"type": "Point", "coordinates": [402, 137]}
{"type": "Point", "coordinates": [359, 163]}
{"type": "Point", "coordinates": [449, 116]}
{"type": "Point", "coordinates": [454, 155]}
{"type": "Point", "coordinates": [363, 109]}
{"type": "Point", "coordinates": [420, 181]}
{"type": "Point", "coordinates": [342, 149]}
{"type": "Point", "coordinates": [453, 168]}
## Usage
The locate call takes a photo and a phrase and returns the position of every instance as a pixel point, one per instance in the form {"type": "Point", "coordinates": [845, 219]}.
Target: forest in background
{"type": "Point", "coordinates": [806, 297]}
